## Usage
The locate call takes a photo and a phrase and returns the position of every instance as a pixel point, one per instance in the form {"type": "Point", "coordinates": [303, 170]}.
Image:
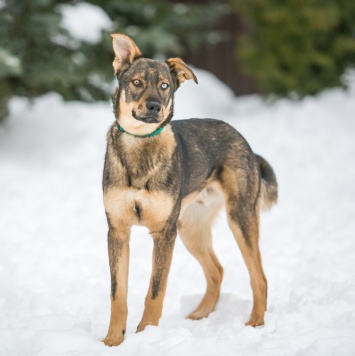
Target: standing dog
{"type": "Point", "coordinates": [174, 177]}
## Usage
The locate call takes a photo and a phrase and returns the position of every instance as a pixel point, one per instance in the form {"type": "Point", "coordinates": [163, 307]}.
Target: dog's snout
{"type": "Point", "coordinates": [153, 107]}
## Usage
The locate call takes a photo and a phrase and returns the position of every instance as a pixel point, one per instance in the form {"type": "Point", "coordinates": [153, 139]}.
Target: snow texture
{"type": "Point", "coordinates": [54, 272]}
{"type": "Point", "coordinates": [85, 21]}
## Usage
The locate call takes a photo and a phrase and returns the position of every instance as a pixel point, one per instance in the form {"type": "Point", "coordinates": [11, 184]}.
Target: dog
{"type": "Point", "coordinates": [174, 177]}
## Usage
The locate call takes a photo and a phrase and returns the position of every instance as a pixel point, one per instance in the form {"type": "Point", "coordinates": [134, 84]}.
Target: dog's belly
{"type": "Point", "coordinates": [128, 206]}
{"type": "Point", "coordinates": [201, 207]}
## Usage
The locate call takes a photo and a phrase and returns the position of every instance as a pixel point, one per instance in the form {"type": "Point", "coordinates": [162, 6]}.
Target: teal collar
{"type": "Point", "coordinates": [154, 133]}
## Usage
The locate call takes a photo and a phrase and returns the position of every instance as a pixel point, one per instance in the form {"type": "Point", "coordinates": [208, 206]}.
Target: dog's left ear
{"type": "Point", "coordinates": [180, 71]}
{"type": "Point", "coordinates": [126, 51]}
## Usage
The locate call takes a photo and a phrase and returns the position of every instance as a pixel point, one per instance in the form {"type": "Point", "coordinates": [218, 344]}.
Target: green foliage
{"type": "Point", "coordinates": [297, 46]}
{"type": "Point", "coordinates": [37, 55]}
{"type": "Point", "coordinates": [161, 27]}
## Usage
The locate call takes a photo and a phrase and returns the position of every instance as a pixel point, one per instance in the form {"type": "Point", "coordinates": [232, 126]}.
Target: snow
{"type": "Point", "coordinates": [85, 21]}
{"type": "Point", "coordinates": [55, 284]}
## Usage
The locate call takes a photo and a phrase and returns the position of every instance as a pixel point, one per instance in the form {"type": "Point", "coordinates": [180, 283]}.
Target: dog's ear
{"type": "Point", "coordinates": [180, 71]}
{"type": "Point", "coordinates": [126, 51]}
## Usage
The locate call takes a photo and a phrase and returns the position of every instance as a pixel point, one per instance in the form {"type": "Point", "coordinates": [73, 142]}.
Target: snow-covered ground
{"type": "Point", "coordinates": [54, 275]}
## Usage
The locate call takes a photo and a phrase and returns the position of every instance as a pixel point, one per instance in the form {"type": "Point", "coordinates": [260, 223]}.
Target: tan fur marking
{"type": "Point", "coordinates": [206, 196]}
{"type": "Point", "coordinates": [155, 207]}
{"type": "Point", "coordinates": [129, 123]}
{"type": "Point", "coordinates": [166, 110]}
{"type": "Point", "coordinates": [117, 327]}
{"type": "Point", "coordinates": [137, 127]}
{"type": "Point", "coordinates": [119, 310]}
{"type": "Point", "coordinates": [183, 72]}
{"type": "Point", "coordinates": [162, 256]}
{"type": "Point", "coordinates": [195, 231]}
{"type": "Point", "coordinates": [250, 251]}
{"type": "Point", "coordinates": [252, 259]}
{"type": "Point", "coordinates": [119, 205]}
{"type": "Point", "coordinates": [152, 311]}
{"type": "Point", "coordinates": [189, 199]}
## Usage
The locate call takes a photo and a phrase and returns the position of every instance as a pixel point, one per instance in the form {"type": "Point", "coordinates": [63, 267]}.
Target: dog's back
{"type": "Point", "coordinates": [208, 146]}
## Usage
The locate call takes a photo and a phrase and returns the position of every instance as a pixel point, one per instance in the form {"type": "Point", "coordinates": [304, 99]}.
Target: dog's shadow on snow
{"type": "Point", "coordinates": [228, 318]}
{"type": "Point", "coordinates": [230, 311]}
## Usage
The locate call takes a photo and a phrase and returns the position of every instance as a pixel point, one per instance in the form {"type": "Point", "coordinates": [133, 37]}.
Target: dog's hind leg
{"type": "Point", "coordinates": [244, 223]}
{"type": "Point", "coordinates": [250, 250]}
{"type": "Point", "coordinates": [195, 232]}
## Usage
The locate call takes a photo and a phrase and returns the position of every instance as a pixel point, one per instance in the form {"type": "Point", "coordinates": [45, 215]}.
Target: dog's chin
{"type": "Point", "coordinates": [147, 119]}
{"type": "Point", "coordinates": [138, 127]}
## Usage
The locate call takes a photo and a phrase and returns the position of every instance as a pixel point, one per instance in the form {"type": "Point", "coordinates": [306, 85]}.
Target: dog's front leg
{"type": "Point", "coordinates": [162, 256]}
{"type": "Point", "coordinates": [118, 249]}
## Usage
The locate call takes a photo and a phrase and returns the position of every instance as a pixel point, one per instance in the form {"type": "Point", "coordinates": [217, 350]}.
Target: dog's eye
{"type": "Point", "coordinates": [137, 82]}
{"type": "Point", "coordinates": [164, 86]}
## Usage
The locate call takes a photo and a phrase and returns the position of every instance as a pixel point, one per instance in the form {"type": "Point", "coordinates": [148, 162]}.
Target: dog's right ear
{"type": "Point", "coordinates": [126, 51]}
{"type": "Point", "coordinates": [180, 71]}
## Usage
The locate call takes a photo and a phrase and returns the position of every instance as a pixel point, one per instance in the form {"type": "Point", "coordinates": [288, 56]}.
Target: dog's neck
{"type": "Point", "coordinates": [163, 137]}
{"type": "Point", "coordinates": [154, 133]}
{"type": "Point", "coordinates": [146, 156]}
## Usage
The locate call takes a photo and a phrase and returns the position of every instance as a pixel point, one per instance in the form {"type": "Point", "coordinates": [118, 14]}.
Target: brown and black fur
{"type": "Point", "coordinates": [176, 180]}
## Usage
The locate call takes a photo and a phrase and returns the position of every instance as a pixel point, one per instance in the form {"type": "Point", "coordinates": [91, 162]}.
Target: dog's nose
{"type": "Point", "coordinates": [153, 107]}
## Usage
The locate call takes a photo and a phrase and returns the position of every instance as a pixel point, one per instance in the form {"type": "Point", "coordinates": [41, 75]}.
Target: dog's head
{"type": "Point", "coordinates": [144, 98]}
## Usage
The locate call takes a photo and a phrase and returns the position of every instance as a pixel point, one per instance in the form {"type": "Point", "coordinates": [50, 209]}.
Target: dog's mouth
{"type": "Point", "coordinates": [147, 118]}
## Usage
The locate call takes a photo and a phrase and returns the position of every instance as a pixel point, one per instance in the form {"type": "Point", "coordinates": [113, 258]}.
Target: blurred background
{"type": "Point", "coordinates": [283, 48]}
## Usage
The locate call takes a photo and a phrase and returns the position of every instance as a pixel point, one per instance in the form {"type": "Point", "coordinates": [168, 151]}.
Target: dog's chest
{"type": "Point", "coordinates": [143, 164]}
{"type": "Point", "coordinates": [129, 206]}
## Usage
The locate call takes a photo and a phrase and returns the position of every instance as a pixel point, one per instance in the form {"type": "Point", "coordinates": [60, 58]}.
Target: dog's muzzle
{"type": "Point", "coordinates": [152, 114]}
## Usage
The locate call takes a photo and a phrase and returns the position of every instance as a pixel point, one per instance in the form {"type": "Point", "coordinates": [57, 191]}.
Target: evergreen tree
{"type": "Point", "coordinates": [37, 55]}
{"type": "Point", "coordinates": [298, 46]}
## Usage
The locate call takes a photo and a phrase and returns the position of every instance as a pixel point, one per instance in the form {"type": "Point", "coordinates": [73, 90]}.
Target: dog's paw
{"type": "Point", "coordinates": [255, 321]}
{"type": "Point", "coordinates": [113, 340]}
{"type": "Point", "coordinates": [149, 318]}
{"type": "Point", "coordinates": [197, 315]}
{"type": "Point", "coordinates": [141, 326]}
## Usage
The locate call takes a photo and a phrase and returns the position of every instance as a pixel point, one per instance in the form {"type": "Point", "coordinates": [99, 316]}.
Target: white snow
{"type": "Point", "coordinates": [85, 21]}
{"type": "Point", "coordinates": [55, 284]}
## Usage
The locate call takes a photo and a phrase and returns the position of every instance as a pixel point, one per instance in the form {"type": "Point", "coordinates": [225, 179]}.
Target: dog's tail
{"type": "Point", "coordinates": [268, 188]}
